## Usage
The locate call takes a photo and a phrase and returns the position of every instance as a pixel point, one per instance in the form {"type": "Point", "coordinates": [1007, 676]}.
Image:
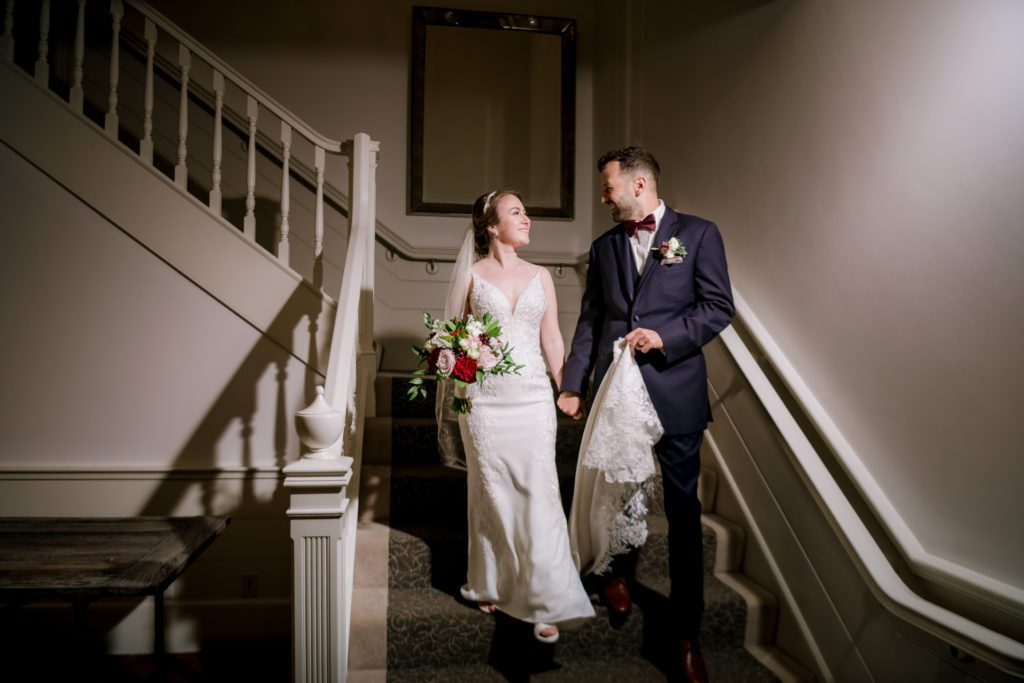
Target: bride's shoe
{"type": "Point", "coordinates": [487, 607]}
{"type": "Point", "coordinates": [538, 630]}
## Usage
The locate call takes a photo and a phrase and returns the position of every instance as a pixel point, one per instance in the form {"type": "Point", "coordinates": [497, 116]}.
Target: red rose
{"type": "Point", "coordinates": [432, 359]}
{"type": "Point", "coordinates": [465, 369]}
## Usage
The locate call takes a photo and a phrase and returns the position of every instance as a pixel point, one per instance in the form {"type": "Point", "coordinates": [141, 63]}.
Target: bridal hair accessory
{"type": "Point", "coordinates": [463, 350]}
{"type": "Point", "coordinates": [487, 201]}
{"type": "Point", "coordinates": [671, 251]}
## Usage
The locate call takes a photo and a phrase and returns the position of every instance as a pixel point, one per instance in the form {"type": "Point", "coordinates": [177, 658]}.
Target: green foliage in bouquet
{"type": "Point", "coordinates": [463, 350]}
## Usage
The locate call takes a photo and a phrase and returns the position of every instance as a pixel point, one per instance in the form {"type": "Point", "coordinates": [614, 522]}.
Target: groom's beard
{"type": "Point", "coordinates": [623, 212]}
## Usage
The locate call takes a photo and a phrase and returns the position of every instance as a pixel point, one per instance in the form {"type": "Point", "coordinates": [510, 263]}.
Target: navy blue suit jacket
{"type": "Point", "coordinates": [687, 303]}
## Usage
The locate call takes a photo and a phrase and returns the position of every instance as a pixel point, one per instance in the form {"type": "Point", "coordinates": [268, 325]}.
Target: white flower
{"type": "Point", "coordinates": [445, 362]}
{"type": "Point", "coordinates": [471, 347]}
{"type": "Point", "coordinates": [673, 245]}
{"type": "Point", "coordinates": [474, 328]}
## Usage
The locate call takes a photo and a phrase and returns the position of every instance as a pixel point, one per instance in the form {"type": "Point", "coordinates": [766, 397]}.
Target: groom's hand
{"type": "Point", "coordinates": [571, 403]}
{"type": "Point", "coordinates": [643, 340]}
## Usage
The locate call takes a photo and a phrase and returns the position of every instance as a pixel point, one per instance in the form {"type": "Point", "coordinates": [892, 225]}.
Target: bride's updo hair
{"type": "Point", "coordinates": [485, 214]}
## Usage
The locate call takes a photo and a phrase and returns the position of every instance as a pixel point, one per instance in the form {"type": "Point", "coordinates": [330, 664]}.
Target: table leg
{"type": "Point", "coordinates": [81, 625]}
{"type": "Point", "coordinates": [158, 630]}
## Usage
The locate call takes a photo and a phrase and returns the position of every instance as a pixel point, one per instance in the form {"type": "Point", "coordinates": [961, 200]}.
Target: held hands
{"type": "Point", "coordinates": [643, 340]}
{"type": "Point", "coordinates": [571, 403]}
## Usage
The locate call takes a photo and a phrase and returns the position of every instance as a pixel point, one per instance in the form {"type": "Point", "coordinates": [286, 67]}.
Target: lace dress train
{"type": "Point", "coordinates": [616, 467]}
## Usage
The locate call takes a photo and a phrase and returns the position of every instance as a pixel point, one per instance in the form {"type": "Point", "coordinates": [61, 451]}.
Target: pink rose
{"type": "Point", "coordinates": [445, 362]}
{"type": "Point", "coordinates": [487, 359]}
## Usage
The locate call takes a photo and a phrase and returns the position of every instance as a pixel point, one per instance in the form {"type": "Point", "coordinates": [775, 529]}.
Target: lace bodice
{"type": "Point", "coordinates": [520, 322]}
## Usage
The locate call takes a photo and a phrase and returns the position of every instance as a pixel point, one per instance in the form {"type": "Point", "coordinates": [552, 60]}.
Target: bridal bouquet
{"type": "Point", "coordinates": [465, 351]}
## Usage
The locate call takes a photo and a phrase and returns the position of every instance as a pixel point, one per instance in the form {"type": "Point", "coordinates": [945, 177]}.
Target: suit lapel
{"type": "Point", "coordinates": [665, 230]}
{"type": "Point", "coordinates": [624, 262]}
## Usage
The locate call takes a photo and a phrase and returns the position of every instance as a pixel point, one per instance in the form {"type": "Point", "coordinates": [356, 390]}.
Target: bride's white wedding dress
{"type": "Point", "coordinates": [519, 556]}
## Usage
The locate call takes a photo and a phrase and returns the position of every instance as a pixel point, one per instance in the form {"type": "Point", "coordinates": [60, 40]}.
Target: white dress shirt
{"type": "Point", "coordinates": [641, 241]}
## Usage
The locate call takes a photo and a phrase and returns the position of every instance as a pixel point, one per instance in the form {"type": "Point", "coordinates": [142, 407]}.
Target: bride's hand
{"type": "Point", "coordinates": [571, 403]}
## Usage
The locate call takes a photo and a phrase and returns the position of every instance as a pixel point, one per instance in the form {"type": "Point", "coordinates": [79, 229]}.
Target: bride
{"type": "Point", "coordinates": [519, 556]}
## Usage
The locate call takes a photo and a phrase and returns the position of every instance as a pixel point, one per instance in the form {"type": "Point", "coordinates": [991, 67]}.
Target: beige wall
{"type": "Point", "coordinates": [864, 161]}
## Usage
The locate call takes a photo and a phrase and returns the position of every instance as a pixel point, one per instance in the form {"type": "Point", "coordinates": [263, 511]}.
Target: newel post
{"type": "Point", "coordinates": [317, 485]}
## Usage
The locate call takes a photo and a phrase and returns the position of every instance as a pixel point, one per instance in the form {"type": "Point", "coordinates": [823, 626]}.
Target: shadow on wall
{"type": "Point", "coordinates": [209, 590]}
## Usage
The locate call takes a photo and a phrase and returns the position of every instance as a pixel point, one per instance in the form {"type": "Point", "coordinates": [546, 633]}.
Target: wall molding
{"type": "Point", "coordinates": [145, 472]}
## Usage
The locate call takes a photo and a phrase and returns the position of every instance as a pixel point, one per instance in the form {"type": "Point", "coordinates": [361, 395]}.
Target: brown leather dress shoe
{"type": "Point", "coordinates": [616, 596]}
{"type": "Point", "coordinates": [694, 669]}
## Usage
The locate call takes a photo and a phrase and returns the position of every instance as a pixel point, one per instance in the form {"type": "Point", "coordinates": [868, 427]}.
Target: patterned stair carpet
{"type": "Point", "coordinates": [434, 635]}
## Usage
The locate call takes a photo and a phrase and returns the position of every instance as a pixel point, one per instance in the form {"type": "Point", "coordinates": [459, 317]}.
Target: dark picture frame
{"type": "Point", "coordinates": [437, 151]}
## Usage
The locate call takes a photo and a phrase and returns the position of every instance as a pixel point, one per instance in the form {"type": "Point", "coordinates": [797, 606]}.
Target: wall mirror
{"type": "Point", "coordinates": [493, 99]}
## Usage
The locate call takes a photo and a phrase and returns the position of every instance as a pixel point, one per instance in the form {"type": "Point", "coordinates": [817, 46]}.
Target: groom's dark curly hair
{"type": "Point", "coordinates": [631, 159]}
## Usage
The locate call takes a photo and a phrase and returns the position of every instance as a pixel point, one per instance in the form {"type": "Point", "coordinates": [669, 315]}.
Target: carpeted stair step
{"type": "Point", "coordinates": [633, 670]}
{"type": "Point", "coordinates": [430, 559]}
{"type": "Point", "coordinates": [434, 635]}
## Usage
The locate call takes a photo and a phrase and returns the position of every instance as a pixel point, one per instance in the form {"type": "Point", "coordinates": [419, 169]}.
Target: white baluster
{"type": "Point", "coordinates": [75, 98]}
{"type": "Point", "coordinates": [218, 128]}
{"type": "Point", "coordinates": [146, 146]}
{"type": "Point", "coordinates": [42, 66]}
{"type": "Point", "coordinates": [283, 253]}
{"type": "Point", "coordinates": [320, 162]}
{"type": "Point", "coordinates": [362, 142]}
{"type": "Point", "coordinates": [7, 40]}
{"type": "Point", "coordinates": [181, 168]}
{"type": "Point", "coordinates": [116, 12]}
{"type": "Point", "coordinates": [252, 112]}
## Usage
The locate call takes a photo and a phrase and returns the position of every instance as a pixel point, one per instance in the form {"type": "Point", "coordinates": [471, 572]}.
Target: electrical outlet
{"type": "Point", "coordinates": [250, 587]}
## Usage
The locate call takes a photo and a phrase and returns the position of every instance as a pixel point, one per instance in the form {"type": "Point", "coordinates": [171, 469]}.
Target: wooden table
{"type": "Point", "coordinates": [81, 559]}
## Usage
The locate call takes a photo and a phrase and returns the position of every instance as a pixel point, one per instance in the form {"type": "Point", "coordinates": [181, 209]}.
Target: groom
{"type": "Point", "coordinates": [659, 279]}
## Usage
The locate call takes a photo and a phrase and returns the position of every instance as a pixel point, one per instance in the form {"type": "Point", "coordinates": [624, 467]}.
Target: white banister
{"type": "Point", "coordinates": [323, 498]}
{"type": "Point", "coordinates": [252, 112]}
{"type": "Point", "coordinates": [146, 145]}
{"type": "Point", "coordinates": [216, 198]}
{"type": "Point", "coordinates": [42, 66]}
{"type": "Point", "coordinates": [323, 508]}
{"type": "Point", "coordinates": [7, 40]}
{"type": "Point", "coordinates": [116, 14]}
{"type": "Point", "coordinates": [181, 168]}
{"type": "Point", "coordinates": [146, 28]}
{"type": "Point", "coordinates": [320, 164]}
{"type": "Point", "coordinates": [76, 96]}
{"type": "Point", "coordinates": [283, 243]}
{"type": "Point", "coordinates": [266, 101]}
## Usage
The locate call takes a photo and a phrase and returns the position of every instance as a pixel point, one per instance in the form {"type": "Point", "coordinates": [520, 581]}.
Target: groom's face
{"type": "Point", "coordinates": [618, 191]}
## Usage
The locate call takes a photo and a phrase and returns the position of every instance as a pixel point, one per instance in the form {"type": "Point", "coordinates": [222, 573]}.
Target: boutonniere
{"type": "Point", "coordinates": [669, 252]}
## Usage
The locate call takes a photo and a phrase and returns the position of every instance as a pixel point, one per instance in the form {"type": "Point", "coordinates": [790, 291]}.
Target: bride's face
{"type": "Point", "coordinates": [513, 227]}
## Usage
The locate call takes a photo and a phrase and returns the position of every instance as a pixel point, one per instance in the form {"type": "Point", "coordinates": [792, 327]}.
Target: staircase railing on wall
{"type": "Point", "coordinates": [892, 591]}
{"type": "Point", "coordinates": [323, 492]}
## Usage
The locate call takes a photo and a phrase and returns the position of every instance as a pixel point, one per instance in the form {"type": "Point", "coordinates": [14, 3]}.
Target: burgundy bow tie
{"type": "Point", "coordinates": [646, 224]}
